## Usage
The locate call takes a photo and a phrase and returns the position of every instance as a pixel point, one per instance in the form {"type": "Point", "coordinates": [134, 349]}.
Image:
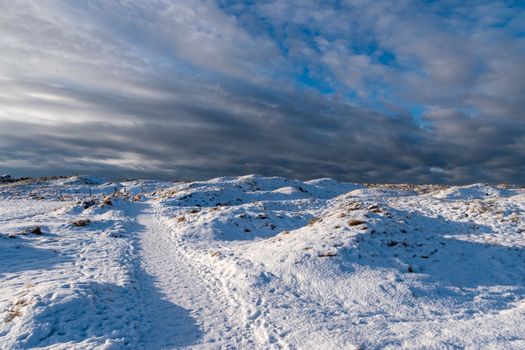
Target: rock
{"type": "Point", "coordinates": [81, 222]}
{"type": "Point", "coordinates": [88, 203]}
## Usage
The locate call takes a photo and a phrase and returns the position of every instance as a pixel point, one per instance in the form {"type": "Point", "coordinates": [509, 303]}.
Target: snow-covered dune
{"type": "Point", "coordinates": [260, 262]}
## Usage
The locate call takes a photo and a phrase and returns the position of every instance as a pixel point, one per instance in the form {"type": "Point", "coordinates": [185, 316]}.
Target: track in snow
{"type": "Point", "coordinates": [183, 308]}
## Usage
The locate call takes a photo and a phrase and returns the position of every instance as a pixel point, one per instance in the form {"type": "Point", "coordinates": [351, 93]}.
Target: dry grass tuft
{"type": "Point", "coordinates": [314, 220]}
{"type": "Point", "coordinates": [355, 222]}
{"type": "Point", "coordinates": [327, 254]}
{"type": "Point", "coordinates": [374, 208]}
{"type": "Point", "coordinates": [15, 310]}
{"type": "Point", "coordinates": [354, 206]}
{"type": "Point", "coordinates": [12, 314]}
{"type": "Point", "coordinates": [275, 239]}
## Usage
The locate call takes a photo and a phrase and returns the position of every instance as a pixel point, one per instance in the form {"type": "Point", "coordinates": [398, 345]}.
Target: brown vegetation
{"type": "Point", "coordinates": [355, 222]}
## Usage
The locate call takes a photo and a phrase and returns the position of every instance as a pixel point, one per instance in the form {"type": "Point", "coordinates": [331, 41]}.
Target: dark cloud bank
{"type": "Point", "coordinates": [355, 90]}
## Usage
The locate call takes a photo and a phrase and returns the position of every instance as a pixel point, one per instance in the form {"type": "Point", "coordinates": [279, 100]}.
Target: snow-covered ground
{"type": "Point", "coordinates": [257, 262]}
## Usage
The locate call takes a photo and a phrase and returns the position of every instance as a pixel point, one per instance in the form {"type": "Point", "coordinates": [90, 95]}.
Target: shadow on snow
{"type": "Point", "coordinates": [136, 315]}
{"type": "Point", "coordinates": [448, 265]}
{"type": "Point", "coordinates": [18, 257]}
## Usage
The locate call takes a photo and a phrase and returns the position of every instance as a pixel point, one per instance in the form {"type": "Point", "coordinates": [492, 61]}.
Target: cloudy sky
{"type": "Point", "coordinates": [396, 91]}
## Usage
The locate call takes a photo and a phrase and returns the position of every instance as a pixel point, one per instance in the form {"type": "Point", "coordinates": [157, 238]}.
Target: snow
{"type": "Point", "coordinates": [260, 262]}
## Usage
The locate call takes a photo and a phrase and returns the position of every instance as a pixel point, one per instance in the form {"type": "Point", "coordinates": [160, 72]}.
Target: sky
{"type": "Point", "coordinates": [364, 91]}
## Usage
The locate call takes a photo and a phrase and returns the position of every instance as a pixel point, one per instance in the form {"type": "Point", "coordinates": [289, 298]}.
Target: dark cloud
{"type": "Point", "coordinates": [423, 92]}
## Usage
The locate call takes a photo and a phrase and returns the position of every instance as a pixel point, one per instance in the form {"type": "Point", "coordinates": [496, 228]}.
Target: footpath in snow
{"type": "Point", "coordinates": [184, 307]}
{"type": "Point", "coordinates": [260, 262]}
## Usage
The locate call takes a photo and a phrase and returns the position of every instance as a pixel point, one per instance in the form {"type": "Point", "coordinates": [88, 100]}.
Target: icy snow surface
{"type": "Point", "coordinates": [257, 262]}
